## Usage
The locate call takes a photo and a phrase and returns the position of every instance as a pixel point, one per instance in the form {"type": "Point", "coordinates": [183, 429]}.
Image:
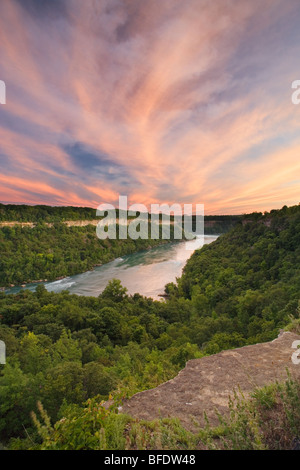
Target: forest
{"type": "Point", "coordinates": [67, 353]}
{"type": "Point", "coordinates": [51, 252]}
{"type": "Point", "coordinates": [50, 214]}
{"type": "Point", "coordinates": [42, 213]}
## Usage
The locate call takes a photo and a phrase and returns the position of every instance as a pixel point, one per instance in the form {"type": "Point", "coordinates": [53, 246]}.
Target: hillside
{"type": "Point", "coordinates": [66, 349]}
{"type": "Point", "coordinates": [14, 214]}
{"type": "Point", "coordinates": [32, 254]}
{"type": "Point", "coordinates": [45, 242]}
{"type": "Point", "coordinates": [247, 283]}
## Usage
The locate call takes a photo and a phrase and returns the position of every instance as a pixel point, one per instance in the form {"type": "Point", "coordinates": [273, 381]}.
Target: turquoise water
{"type": "Point", "coordinates": [146, 272]}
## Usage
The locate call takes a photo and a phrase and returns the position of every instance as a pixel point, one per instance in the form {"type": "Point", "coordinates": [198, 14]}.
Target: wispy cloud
{"type": "Point", "coordinates": [163, 101]}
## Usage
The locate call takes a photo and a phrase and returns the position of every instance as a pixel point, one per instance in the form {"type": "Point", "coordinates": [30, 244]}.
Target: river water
{"type": "Point", "coordinates": [145, 272]}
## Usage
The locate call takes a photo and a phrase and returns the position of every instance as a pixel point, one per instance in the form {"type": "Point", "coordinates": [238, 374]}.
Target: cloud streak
{"type": "Point", "coordinates": [162, 101]}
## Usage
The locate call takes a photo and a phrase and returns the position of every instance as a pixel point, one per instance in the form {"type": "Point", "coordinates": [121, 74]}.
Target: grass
{"type": "Point", "coordinates": [268, 420]}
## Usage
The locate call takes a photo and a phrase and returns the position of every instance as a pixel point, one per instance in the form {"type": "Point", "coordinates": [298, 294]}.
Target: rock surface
{"type": "Point", "coordinates": [205, 384]}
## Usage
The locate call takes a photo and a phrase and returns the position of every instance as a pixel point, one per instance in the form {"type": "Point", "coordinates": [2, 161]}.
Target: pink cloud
{"type": "Point", "coordinates": [181, 96]}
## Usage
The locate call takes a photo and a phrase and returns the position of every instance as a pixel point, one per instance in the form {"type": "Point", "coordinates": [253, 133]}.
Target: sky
{"type": "Point", "coordinates": [162, 101]}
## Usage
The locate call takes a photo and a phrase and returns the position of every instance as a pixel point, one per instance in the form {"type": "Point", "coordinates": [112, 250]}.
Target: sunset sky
{"type": "Point", "coordinates": [165, 101]}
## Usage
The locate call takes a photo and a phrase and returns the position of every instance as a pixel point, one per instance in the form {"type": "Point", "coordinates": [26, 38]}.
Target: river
{"type": "Point", "coordinates": [145, 272]}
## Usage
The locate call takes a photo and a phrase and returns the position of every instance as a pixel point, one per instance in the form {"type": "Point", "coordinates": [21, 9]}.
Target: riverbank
{"type": "Point", "coordinates": [145, 272]}
{"type": "Point", "coordinates": [58, 278]}
{"type": "Point", "coordinates": [50, 252]}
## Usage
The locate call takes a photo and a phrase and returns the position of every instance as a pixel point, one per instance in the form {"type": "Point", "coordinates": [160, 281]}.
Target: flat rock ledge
{"type": "Point", "coordinates": [205, 384]}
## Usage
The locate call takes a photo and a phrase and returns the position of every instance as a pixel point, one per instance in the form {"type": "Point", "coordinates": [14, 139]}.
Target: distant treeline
{"type": "Point", "coordinates": [41, 213]}
{"type": "Point", "coordinates": [214, 224]}
{"type": "Point", "coordinates": [217, 224]}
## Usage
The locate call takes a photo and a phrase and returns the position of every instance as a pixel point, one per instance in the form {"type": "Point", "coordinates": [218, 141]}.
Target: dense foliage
{"type": "Point", "coordinates": [41, 213]}
{"type": "Point", "coordinates": [245, 285]}
{"type": "Point", "coordinates": [64, 349]}
{"type": "Point", "coordinates": [51, 249]}
{"type": "Point", "coordinates": [268, 420]}
{"type": "Point", "coordinates": [43, 252]}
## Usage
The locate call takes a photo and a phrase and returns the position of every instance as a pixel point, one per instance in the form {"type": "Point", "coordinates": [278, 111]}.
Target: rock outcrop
{"type": "Point", "coordinates": [205, 384]}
